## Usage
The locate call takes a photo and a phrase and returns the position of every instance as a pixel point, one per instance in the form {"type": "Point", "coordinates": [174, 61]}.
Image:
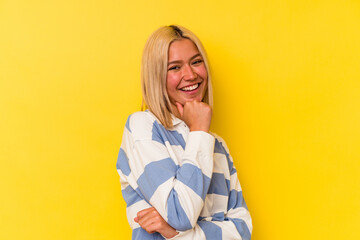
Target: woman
{"type": "Point", "coordinates": [177, 179]}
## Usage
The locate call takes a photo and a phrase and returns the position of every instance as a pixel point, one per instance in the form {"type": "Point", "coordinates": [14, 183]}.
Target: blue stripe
{"type": "Point", "coordinates": [220, 216]}
{"type": "Point", "coordinates": [141, 234]}
{"type": "Point", "coordinates": [218, 184]}
{"type": "Point", "coordinates": [211, 230]}
{"type": "Point", "coordinates": [127, 124]}
{"type": "Point", "coordinates": [228, 185]}
{"type": "Point", "coordinates": [155, 174]}
{"type": "Point", "coordinates": [236, 200]}
{"type": "Point", "coordinates": [192, 177]}
{"type": "Point", "coordinates": [232, 170]}
{"type": "Point", "coordinates": [123, 162]}
{"type": "Point", "coordinates": [137, 190]}
{"type": "Point", "coordinates": [130, 196]}
{"type": "Point", "coordinates": [177, 217]}
{"type": "Point", "coordinates": [219, 148]}
{"type": "Point", "coordinates": [242, 228]}
{"type": "Point", "coordinates": [161, 135]}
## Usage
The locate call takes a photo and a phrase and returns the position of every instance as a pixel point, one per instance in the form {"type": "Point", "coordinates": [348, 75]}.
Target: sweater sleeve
{"type": "Point", "coordinates": [235, 222]}
{"type": "Point", "coordinates": [177, 191]}
{"type": "Point", "coordinates": [238, 213]}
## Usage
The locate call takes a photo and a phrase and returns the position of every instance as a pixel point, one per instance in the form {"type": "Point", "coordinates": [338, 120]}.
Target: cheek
{"type": "Point", "coordinates": [201, 72]}
{"type": "Point", "coordinates": [171, 82]}
{"type": "Point", "coordinates": [204, 74]}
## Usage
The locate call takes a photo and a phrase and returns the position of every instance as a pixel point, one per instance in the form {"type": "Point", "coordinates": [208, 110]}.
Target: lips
{"type": "Point", "coordinates": [190, 88]}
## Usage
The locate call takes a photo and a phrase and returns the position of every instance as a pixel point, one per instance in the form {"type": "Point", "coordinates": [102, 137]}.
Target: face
{"type": "Point", "coordinates": [186, 75]}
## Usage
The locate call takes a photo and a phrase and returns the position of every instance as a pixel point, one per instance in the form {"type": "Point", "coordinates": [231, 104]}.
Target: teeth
{"type": "Point", "coordinates": [189, 88]}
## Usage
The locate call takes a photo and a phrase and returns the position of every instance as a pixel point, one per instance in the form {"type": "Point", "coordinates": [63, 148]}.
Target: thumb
{"type": "Point", "coordinates": [180, 108]}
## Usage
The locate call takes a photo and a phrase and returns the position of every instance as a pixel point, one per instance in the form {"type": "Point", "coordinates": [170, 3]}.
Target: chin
{"type": "Point", "coordinates": [193, 99]}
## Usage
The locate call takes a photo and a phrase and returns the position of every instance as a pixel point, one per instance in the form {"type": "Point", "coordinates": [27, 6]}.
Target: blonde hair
{"type": "Point", "coordinates": [154, 71]}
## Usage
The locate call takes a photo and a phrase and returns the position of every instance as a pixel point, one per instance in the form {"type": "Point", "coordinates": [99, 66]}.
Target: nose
{"type": "Point", "coordinates": [189, 73]}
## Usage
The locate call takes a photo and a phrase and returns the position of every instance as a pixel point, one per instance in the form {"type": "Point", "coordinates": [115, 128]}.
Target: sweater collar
{"type": "Point", "coordinates": [175, 120]}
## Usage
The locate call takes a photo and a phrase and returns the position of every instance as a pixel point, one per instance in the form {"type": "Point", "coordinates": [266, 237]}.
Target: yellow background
{"type": "Point", "coordinates": [287, 99]}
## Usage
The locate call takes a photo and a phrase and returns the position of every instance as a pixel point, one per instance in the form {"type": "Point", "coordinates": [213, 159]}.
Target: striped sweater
{"type": "Point", "coordinates": [189, 177]}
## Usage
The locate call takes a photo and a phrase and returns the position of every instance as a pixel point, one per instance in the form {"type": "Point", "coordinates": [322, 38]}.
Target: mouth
{"type": "Point", "coordinates": [190, 88]}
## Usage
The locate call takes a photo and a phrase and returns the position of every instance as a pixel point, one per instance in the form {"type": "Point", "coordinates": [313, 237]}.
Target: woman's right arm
{"type": "Point", "coordinates": [177, 192]}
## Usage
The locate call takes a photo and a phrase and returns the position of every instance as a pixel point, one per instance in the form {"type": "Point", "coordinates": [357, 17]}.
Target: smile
{"type": "Point", "coordinates": [190, 88]}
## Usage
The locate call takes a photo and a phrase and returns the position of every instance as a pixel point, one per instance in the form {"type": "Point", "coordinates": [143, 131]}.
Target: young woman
{"type": "Point", "coordinates": [177, 178]}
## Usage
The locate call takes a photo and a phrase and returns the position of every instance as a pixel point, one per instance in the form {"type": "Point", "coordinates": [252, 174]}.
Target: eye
{"type": "Point", "coordinates": [174, 68]}
{"type": "Point", "coordinates": [197, 61]}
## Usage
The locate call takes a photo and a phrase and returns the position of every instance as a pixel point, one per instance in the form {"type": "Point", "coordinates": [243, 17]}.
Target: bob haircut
{"type": "Point", "coordinates": [154, 71]}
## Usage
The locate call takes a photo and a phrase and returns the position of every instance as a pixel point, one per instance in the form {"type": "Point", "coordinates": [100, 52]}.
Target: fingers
{"type": "Point", "coordinates": [151, 221]}
{"type": "Point", "coordinates": [143, 212]}
{"type": "Point", "coordinates": [196, 115]}
{"type": "Point", "coordinates": [180, 108]}
{"type": "Point", "coordinates": [152, 224]}
{"type": "Point", "coordinates": [144, 215]}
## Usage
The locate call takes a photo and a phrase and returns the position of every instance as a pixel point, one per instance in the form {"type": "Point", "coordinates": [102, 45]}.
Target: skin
{"type": "Point", "coordinates": [186, 68]}
{"type": "Point", "coordinates": [151, 221]}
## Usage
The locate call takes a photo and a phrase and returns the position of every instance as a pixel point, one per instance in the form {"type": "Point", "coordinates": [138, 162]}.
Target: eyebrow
{"type": "Point", "coordinates": [178, 61]}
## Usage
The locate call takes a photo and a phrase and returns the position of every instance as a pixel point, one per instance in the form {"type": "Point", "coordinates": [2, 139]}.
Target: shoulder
{"type": "Point", "coordinates": [140, 125]}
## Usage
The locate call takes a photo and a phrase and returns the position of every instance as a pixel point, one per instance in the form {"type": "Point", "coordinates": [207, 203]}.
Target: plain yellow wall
{"type": "Point", "coordinates": [287, 100]}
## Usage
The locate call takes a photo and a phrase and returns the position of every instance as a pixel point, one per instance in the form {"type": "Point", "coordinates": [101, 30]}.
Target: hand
{"type": "Point", "coordinates": [151, 221]}
{"type": "Point", "coordinates": [197, 115]}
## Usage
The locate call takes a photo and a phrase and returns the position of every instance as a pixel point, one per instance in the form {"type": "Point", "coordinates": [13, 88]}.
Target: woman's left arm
{"type": "Point", "coordinates": [236, 223]}
{"type": "Point", "coordinates": [237, 218]}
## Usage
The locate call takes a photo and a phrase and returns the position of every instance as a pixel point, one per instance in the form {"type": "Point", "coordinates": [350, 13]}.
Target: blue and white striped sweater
{"type": "Point", "coordinates": [189, 177]}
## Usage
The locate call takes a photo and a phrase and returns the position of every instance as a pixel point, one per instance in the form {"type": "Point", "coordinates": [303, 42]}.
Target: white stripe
{"type": "Point", "coordinates": [214, 203]}
{"type": "Point", "coordinates": [199, 151]}
{"type": "Point", "coordinates": [174, 151]}
{"type": "Point", "coordinates": [221, 165]}
{"type": "Point", "coordinates": [227, 229]}
{"type": "Point", "coordinates": [234, 183]}
{"type": "Point", "coordinates": [145, 152]}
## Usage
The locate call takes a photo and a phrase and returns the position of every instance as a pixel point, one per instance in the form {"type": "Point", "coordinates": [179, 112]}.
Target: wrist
{"type": "Point", "coordinates": [199, 128]}
{"type": "Point", "coordinates": [171, 236]}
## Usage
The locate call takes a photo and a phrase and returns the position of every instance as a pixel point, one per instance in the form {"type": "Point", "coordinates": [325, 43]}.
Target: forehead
{"type": "Point", "coordinates": [182, 49]}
